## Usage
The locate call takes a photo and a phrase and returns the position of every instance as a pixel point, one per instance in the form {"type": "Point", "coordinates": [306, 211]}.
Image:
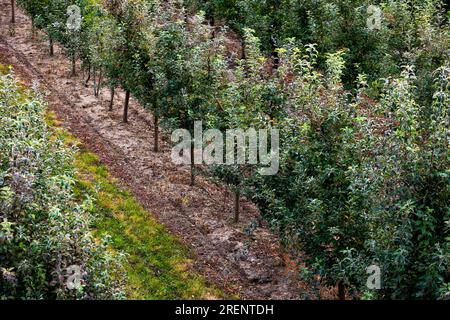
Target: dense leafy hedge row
{"type": "Point", "coordinates": [406, 26]}
{"type": "Point", "coordinates": [363, 172]}
{"type": "Point", "coordinates": [46, 245]}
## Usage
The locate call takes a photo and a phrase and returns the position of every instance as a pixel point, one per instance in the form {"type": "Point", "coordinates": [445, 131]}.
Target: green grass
{"type": "Point", "coordinates": [158, 265]}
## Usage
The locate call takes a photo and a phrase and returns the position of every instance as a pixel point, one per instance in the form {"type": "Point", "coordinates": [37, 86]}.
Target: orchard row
{"type": "Point", "coordinates": [47, 248]}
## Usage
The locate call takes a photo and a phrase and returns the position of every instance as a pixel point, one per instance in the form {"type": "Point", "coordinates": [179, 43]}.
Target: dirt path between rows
{"type": "Point", "coordinates": [252, 266]}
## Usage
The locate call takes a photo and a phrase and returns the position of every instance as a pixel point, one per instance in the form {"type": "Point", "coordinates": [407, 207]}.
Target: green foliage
{"type": "Point", "coordinates": [408, 27]}
{"type": "Point", "coordinates": [44, 229]}
{"type": "Point", "coordinates": [365, 184]}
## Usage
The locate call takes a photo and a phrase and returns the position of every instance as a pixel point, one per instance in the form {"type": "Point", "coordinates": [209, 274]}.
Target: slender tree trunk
{"type": "Point", "coordinates": [52, 51]}
{"type": "Point", "coordinates": [341, 290]}
{"type": "Point", "coordinates": [276, 61]}
{"type": "Point", "coordinates": [244, 58]}
{"type": "Point", "coordinates": [74, 71]}
{"type": "Point", "coordinates": [225, 198]}
{"type": "Point", "coordinates": [89, 75]}
{"type": "Point", "coordinates": [111, 100]}
{"type": "Point", "coordinates": [13, 12]}
{"type": "Point", "coordinates": [99, 85]}
{"type": "Point", "coordinates": [275, 55]}
{"type": "Point", "coordinates": [156, 145]}
{"type": "Point", "coordinates": [192, 164]}
{"type": "Point", "coordinates": [94, 77]}
{"type": "Point", "coordinates": [236, 206]}
{"type": "Point", "coordinates": [125, 106]}
{"type": "Point", "coordinates": [209, 66]}
{"type": "Point", "coordinates": [33, 30]}
{"type": "Point", "coordinates": [213, 25]}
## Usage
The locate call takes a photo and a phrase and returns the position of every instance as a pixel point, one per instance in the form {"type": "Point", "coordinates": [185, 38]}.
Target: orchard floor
{"type": "Point", "coordinates": [247, 266]}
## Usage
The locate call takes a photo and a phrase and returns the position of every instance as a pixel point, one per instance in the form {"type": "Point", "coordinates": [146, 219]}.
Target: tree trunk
{"type": "Point", "coordinates": [33, 30]}
{"type": "Point", "coordinates": [125, 106]}
{"type": "Point", "coordinates": [225, 198]}
{"type": "Point", "coordinates": [156, 145]}
{"type": "Point", "coordinates": [94, 78]}
{"type": "Point", "coordinates": [213, 25]}
{"type": "Point", "coordinates": [74, 72]}
{"type": "Point", "coordinates": [236, 206]}
{"type": "Point", "coordinates": [244, 58]}
{"type": "Point", "coordinates": [341, 290]}
{"type": "Point", "coordinates": [276, 61]}
{"type": "Point", "coordinates": [209, 66]}
{"type": "Point", "coordinates": [111, 100]}
{"type": "Point", "coordinates": [89, 75]}
{"type": "Point", "coordinates": [52, 51]}
{"type": "Point", "coordinates": [13, 12]}
{"type": "Point", "coordinates": [98, 85]}
{"type": "Point", "coordinates": [192, 164]}
{"type": "Point", "coordinates": [275, 55]}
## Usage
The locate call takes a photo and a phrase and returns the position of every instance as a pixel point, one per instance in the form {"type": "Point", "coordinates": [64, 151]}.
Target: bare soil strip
{"type": "Point", "coordinates": [253, 267]}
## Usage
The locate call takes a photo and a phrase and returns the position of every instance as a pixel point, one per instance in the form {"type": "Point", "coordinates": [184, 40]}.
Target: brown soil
{"type": "Point", "coordinates": [200, 216]}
